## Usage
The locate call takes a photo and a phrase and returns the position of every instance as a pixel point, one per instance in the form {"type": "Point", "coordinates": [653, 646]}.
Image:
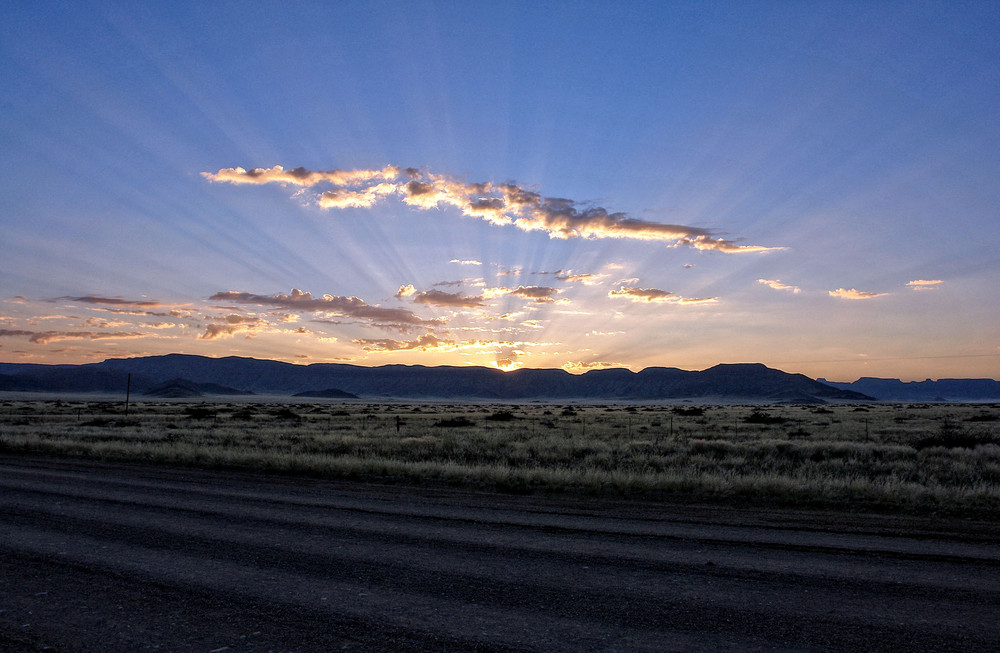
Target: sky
{"type": "Point", "coordinates": [577, 185]}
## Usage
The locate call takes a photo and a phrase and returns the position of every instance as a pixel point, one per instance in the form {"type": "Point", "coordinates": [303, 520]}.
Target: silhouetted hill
{"type": "Point", "coordinates": [953, 390]}
{"type": "Point", "coordinates": [749, 381]}
{"type": "Point", "coordinates": [180, 388]}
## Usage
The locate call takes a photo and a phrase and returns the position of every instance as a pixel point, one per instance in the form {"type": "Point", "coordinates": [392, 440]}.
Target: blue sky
{"type": "Point", "coordinates": [828, 172]}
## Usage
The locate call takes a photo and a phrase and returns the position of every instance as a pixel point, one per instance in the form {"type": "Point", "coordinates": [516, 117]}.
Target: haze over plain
{"type": "Point", "coordinates": [577, 185]}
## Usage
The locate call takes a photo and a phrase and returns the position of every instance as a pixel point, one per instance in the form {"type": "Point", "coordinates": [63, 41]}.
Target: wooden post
{"type": "Point", "coordinates": [128, 391]}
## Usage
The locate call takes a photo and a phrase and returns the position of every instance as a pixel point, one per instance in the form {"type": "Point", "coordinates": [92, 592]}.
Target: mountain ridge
{"type": "Point", "coordinates": [727, 381]}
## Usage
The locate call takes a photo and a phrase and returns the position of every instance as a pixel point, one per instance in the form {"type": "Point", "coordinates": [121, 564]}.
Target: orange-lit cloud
{"type": "Point", "coordinates": [231, 324]}
{"type": "Point", "coordinates": [641, 294]}
{"type": "Point", "coordinates": [655, 295]}
{"type": "Point", "coordinates": [330, 304]}
{"type": "Point", "coordinates": [301, 176]}
{"type": "Point", "coordinates": [852, 293]}
{"type": "Point", "coordinates": [498, 204]}
{"type": "Point", "coordinates": [538, 294]}
{"type": "Point", "coordinates": [423, 343]}
{"type": "Point", "coordinates": [343, 198]}
{"type": "Point", "coordinates": [778, 285]}
{"type": "Point", "coordinates": [924, 284]}
{"type": "Point", "coordinates": [591, 365]}
{"type": "Point", "coordinates": [585, 279]}
{"type": "Point", "coordinates": [45, 337]}
{"type": "Point", "coordinates": [441, 298]}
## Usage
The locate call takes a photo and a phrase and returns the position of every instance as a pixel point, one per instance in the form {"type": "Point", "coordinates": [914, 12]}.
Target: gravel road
{"type": "Point", "coordinates": [115, 557]}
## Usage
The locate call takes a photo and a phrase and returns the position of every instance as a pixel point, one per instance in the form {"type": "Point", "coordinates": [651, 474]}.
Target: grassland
{"type": "Point", "coordinates": [911, 458]}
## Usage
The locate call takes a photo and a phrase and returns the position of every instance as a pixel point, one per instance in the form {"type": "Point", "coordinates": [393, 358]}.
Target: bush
{"type": "Point", "coordinates": [692, 411]}
{"type": "Point", "coordinates": [760, 417]}
{"type": "Point", "coordinates": [454, 422]}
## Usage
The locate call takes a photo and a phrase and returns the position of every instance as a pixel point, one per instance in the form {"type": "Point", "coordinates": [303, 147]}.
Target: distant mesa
{"type": "Point", "coordinates": [329, 393]}
{"type": "Point", "coordinates": [182, 389]}
{"type": "Point", "coordinates": [187, 376]}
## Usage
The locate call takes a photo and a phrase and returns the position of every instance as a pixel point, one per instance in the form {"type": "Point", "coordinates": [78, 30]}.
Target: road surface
{"type": "Point", "coordinates": [115, 557]}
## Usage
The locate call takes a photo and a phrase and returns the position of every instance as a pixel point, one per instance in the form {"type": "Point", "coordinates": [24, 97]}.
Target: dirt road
{"type": "Point", "coordinates": [107, 557]}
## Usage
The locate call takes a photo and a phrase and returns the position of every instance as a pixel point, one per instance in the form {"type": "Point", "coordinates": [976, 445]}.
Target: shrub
{"type": "Point", "coordinates": [760, 417]}
{"type": "Point", "coordinates": [454, 422]}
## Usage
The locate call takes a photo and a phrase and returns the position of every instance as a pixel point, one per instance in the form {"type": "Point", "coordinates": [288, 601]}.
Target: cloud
{"type": "Point", "coordinates": [423, 343]}
{"type": "Point", "coordinates": [111, 301]}
{"type": "Point", "coordinates": [466, 261]}
{"type": "Point", "coordinates": [641, 294]}
{"type": "Point", "coordinates": [924, 284]}
{"type": "Point", "coordinates": [655, 295]}
{"type": "Point", "coordinates": [342, 198]}
{"type": "Point", "coordinates": [15, 333]}
{"type": "Point", "coordinates": [538, 294]}
{"type": "Point", "coordinates": [332, 304]}
{"type": "Point", "coordinates": [230, 325]}
{"type": "Point", "coordinates": [509, 272]}
{"type": "Point", "coordinates": [591, 365]}
{"type": "Point", "coordinates": [301, 176]}
{"type": "Point", "coordinates": [45, 337]}
{"type": "Point", "coordinates": [777, 285]}
{"type": "Point", "coordinates": [499, 204]}
{"type": "Point", "coordinates": [406, 291]}
{"type": "Point", "coordinates": [844, 293]}
{"type": "Point", "coordinates": [585, 279]}
{"type": "Point", "coordinates": [454, 300]}
{"type": "Point", "coordinates": [176, 312]}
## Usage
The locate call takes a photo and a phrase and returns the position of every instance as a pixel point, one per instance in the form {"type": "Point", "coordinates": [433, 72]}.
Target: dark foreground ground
{"type": "Point", "coordinates": [114, 557]}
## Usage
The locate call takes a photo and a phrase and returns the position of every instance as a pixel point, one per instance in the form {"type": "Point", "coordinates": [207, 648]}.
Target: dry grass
{"type": "Point", "coordinates": [894, 457]}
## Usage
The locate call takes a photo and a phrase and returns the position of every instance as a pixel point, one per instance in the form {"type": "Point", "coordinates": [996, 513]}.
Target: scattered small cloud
{"type": "Point", "coordinates": [465, 261]}
{"type": "Point", "coordinates": [655, 295]}
{"type": "Point", "coordinates": [406, 291]}
{"type": "Point", "coordinates": [538, 294]}
{"type": "Point", "coordinates": [853, 293]}
{"type": "Point", "coordinates": [111, 301]}
{"type": "Point", "coordinates": [230, 325]}
{"type": "Point", "coordinates": [778, 285]}
{"type": "Point", "coordinates": [585, 279]}
{"type": "Point", "coordinates": [924, 284]}
{"type": "Point", "coordinates": [452, 300]}
{"type": "Point", "coordinates": [641, 294]}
